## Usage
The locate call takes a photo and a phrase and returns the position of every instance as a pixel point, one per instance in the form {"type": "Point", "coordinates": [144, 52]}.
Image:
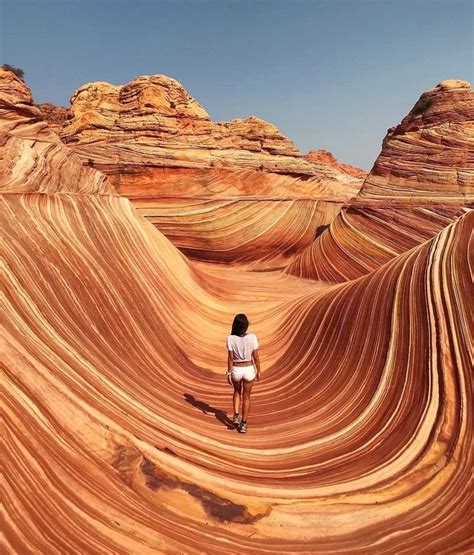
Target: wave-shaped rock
{"type": "Point", "coordinates": [162, 151]}
{"type": "Point", "coordinates": [114, 401]}
{"type": "Point", "coordinates": [430, 154]}
{"type": "Point", "coordinates": [422, 180]}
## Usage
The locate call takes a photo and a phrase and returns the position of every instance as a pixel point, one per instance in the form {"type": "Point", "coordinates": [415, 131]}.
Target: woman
{"type": "Point", "coordinates": [242, 349]}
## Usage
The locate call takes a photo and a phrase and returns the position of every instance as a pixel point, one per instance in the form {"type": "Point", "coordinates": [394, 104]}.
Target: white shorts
{"type": "Point", "coordinates": [247, 373]}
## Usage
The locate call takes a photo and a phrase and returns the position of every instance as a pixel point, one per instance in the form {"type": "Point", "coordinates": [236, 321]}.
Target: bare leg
{"type": "Point", "coordinates": [246, 404]}
{"type": "Point", "coordinates": [237, 395]}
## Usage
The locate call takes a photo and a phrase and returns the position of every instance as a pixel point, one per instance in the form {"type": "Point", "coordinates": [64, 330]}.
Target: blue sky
{"type": "Point", "coordinates": [331, 74]}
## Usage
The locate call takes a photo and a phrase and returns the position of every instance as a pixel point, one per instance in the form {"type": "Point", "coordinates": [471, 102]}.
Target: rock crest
{"type": "Point", "coordinates": [153, 121]}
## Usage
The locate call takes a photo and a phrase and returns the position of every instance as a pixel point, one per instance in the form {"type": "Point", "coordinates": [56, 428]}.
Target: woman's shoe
{"type": "Point", "coordinates": [243, 427]}
{"type": "Point", "coordinates": [236, 419]}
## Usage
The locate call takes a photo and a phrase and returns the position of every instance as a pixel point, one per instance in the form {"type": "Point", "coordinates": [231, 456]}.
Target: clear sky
{"type": "Point", "coordinates": [331, 74]}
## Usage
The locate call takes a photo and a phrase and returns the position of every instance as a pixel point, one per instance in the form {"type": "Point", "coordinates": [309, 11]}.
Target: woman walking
{"type": "Point", "coordinates": [243, 367]}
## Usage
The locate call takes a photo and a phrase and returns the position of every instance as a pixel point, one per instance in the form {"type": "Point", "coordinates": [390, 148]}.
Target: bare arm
{"type": "Point", "coordinates": [256, 360]}
{"type": "Point", "coordinates": [230, 359]}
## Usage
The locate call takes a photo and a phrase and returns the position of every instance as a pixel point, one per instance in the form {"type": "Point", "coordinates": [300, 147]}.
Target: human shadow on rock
{"type": "Point", "coordinates": [207, 409]}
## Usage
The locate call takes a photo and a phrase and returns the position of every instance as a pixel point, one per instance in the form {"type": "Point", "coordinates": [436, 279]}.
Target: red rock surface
{"type": "Point", "coordinates": [33, 158]}
{"type": "Point", "coordinates": [325, 157]}
{"type": "Point", "coordinates": [154, 121]}
{"type": "Point", "coordinates": [429, 156]}
{"type": "Point", "coordinates": [422, 180]}
{"type": "Point", "coordinates": [114, 401]}
{"type": "Point", "coordinates": [55, 116]}
{"type": "Point", "coordinates": [180, 169]}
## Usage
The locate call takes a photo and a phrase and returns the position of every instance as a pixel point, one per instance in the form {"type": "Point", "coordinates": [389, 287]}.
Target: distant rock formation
{"type": "Point", "coordinates": [55, 116]}
{"type": "Point", "coordinates": [13, 90]}
{"type": "Point", "coordinates": [163, 152]}
{"type": "Point", "coordinates": [159, 110]}
{"type": "Point", "coordinates": [422, 180]}
{"type": "Point", "coordinates": [325, 157]}
{"type": "Point", "coordinates": [153, 121]}
{"type": "Point", "coordinates": [33, 157]}
{"type": "Point", "coordinates": [429, 155]}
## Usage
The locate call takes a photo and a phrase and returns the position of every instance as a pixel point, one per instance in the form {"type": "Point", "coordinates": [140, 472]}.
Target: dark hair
{"type": "Point", "coordinates": [239, 325]}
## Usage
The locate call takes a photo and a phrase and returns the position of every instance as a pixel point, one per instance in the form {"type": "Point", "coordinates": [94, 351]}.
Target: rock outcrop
{"type": "Point", "coordinates": [33, 159]}
{"type": "Point", "coordinates": [54, 116]}
{"type": "Point", "coordinates": [326, 158]}
{"type": "Point", "coordinates": [422, 180]}
{"type": "Point", "coordinates": [430, 155]}
{"type": "Point", "coordinates": [114, 402]}
{"type": "Point", "coordinates": [154, 121]}
{"type": "Point", "coordinates": [162, 151]}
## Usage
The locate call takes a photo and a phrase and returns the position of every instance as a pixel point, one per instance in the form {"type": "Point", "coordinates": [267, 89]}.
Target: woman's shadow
{"type": "Point", "coordinates": [206, 409]}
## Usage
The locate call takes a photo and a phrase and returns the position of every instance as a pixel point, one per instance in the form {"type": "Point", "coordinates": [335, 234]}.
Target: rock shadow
{"type": "Point", "coordinates": [207, 409]}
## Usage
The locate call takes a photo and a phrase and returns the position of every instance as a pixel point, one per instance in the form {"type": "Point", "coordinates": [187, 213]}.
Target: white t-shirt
{"type": "Point", "coordinates": [242, 347]}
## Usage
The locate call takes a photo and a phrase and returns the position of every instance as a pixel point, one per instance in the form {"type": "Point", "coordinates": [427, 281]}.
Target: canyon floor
{"type": "Point", "coordinates": [127, 253]}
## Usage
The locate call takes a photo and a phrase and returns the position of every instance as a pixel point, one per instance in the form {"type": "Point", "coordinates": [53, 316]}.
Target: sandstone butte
{"type": "Point", "coordinates": [115, 435]}
{"type": "Point", "coordinates": [422, 180]}
{"type": "Point", "coordinates": [161, 150]}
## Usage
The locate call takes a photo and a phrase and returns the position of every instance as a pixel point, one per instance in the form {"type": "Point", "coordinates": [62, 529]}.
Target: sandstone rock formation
{"type": "Point", "coordinates": [54, 116]}
{"type": "Point", "coordinates": [153, 121]}
{"type": "Point", "coordinates": [422, 180]}
{"type": "Point", "coordinates": [430, 154]}
{"type": "Point", "coordinates": [115, 434]}
{"type": "Point", "coordinates": [180, 169]}
{"type": "Point", "coordinates": [33, 158]}
{"type": "Point", "coordinates": [326, 158]}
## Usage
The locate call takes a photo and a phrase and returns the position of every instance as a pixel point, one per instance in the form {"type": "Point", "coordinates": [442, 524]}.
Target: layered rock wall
{"type": "Point", "coordinates": [325, 157]}
{"type": "Point", "coordinates": [422, 180]}
{"type": "Point", "coordinates": [429, 156]}
{"type": "Point", "coordinates": [32, 156]}
{"type": "Point", "coordinates": [161, 150]}
{"type": "Point", "coordinates": [155, 119]}
{"type": "Point", "coordinates": [114, 404]}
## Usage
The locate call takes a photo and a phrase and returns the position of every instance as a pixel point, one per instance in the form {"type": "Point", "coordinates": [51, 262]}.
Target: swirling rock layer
{"type": "Point", "coordinates": [274, 216]}
{"type": "Point", "coordinates": [116, 437]}
{"type": "Point", "coordinates": [422, 181]}
{"type": "Point", "coordinates": [161, 150]}
{"type": "Point", "coordinates": [429, 156]}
